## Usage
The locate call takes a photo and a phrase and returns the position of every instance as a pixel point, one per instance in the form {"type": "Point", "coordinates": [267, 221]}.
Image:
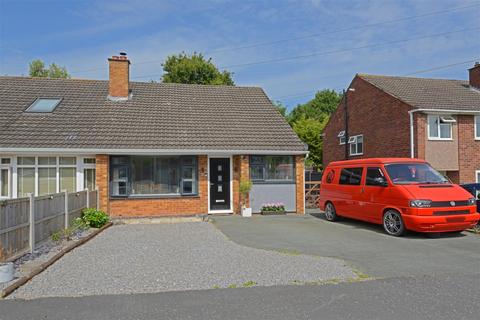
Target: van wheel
{"type": "Point", "coordinates": [330, 212]}
{"type": "Point", "coordinates": [393, 223]}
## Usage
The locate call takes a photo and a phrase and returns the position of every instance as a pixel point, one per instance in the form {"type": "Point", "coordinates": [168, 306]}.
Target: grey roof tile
{"type": "Point", "coordinates": [159, 116]}
{"type": "Point", "coordinates": [424, 93]}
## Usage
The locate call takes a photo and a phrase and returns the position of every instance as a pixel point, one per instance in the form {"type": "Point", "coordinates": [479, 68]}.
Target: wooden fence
{"type": "Point", "coordinates": [49, 213]}
{"type": "Point", "coordinates": [312, 192]}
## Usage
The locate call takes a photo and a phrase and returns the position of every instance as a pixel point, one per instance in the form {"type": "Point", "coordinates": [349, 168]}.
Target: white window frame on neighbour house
{"type": "Point", "coordinates": [353, 142]}
{"type": "Point", "coordinates": [477, 175]}
{"type": "Point", "coordinates": [477, 127]}
{"type": "Point", "coordinates": [5, 166]}
{"type": "Point", "coordinates": [56, 163]}
{"type": "Point", "coordinates": [441, 120]}
{"type": "Point", "coordinates": [341, 137]}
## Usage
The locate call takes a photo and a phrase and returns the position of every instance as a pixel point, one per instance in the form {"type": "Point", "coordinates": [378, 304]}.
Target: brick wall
{"type": "Point", "coordinates": [300, 183]}
{"type": "Point", "coordinates": [102, 178]}
{"type": "Point", "coordinates": [382, 119]}
{"type": "Point", "coordinates": [420, 134]}
{"type": "Point", "coordinates": [241, 171]}
{"type": "Point", "coordinates": [468, 149]}
{"type": "Point", "coordinates": [118, 84]}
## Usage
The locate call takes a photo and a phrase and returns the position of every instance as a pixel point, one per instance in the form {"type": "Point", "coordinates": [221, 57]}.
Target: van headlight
{"type": "Point", "coordinates": [420, 203]}
{"type": "Point", "coordinates": [471, 201]}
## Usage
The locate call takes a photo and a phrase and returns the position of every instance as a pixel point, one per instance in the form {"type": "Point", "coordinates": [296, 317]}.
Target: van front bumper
{"type": "Point", "coordinates": [433, 220]}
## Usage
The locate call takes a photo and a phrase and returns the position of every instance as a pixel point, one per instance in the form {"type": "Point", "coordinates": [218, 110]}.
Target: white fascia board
{"type": "Point", "coordinates": [83, 151]}
{"type": "Point", "coordinates": [445, 111]}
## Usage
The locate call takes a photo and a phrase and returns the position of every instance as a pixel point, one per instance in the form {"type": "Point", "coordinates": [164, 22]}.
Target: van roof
{"type": "Point", "coordinates": [374, 161]}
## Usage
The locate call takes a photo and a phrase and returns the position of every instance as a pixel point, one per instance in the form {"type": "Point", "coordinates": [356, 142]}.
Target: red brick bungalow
{"type": "Point", "coordinates": [151, 149]}
{"type": "Point", "coordinates": [433, 119]}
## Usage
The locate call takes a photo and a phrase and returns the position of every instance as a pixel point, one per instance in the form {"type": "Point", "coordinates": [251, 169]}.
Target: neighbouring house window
{"type": "Point", "coordinates": [478, 176]}
{"type": "Point", "coordinates": [89, 179]}
{"type": "Point", "coordinates": [153, 175]}
{"type": "Point", "coordinates": [440, 127]}
{"type": "Point", "coordinates": [272, 169]}
{"type": "Point", "coordinates": [341, 137]}
{"type": "Point", "coordinates": [477, 127]}
{"type": "Point", "coordinates": [25, 176]}
{"type": "Point", "coordinates": [356, 145]}
{"type": "Point", "coordinates": [351, 176]}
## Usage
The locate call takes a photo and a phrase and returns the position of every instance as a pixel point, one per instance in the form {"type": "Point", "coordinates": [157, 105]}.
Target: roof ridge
{"type": "Point", "coordinates": [135, 82]}
{"type": "Point", "coordinates": [362, 75]}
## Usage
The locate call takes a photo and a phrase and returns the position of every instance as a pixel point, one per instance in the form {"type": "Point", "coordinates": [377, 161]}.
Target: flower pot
{"type": "Point", "coordinates": [6, 272]}
{"type": "Point", "coordinates": [273, 213]}
{"type": "Point", "coordinates": [246, 212]}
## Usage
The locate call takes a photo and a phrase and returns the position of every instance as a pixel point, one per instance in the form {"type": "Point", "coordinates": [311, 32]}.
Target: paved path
{"type": "Point", "coordinates": [365, 246]}
{"type": "Point", "coordinates": [165, 257]}
{"type": "Point", "coordinates": [450, 297]}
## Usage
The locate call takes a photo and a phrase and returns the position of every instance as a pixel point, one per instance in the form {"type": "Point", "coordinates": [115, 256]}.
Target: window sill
{"type": "Point", "coordinates": [356, 154]}
{"type": "Point", "coordinates": [166, 196]}
{"type": "Point", "coordinates": [440, 139]}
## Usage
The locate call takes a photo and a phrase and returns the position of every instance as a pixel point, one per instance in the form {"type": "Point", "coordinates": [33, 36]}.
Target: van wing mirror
{"type": "Point", "coordinates": [381, 181]}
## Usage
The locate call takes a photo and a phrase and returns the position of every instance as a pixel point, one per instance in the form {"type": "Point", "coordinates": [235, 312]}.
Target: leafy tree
{"type": "Point", "coordinates": [310, 132]}
{"type": "Point", "coordinates": [37, 69]}
{"type": "Point", "coordinates": [281, 108]}
{"type": "Point", "coordinates": [194, 69]}
{"type": "Point", "coordinates": [320, 107]}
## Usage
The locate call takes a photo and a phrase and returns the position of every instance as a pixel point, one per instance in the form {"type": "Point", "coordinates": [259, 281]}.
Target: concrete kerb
{"type": "Point", "coordinates": [21, 281]}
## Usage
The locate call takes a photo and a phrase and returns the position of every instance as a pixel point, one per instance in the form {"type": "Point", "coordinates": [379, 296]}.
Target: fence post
{"type": "Point", "coordinates": [88, 198]}
{"type": "Point", "coordinates": [32, 222]}
{"type": "Point", "coordinates": [97, 194]}
{"type": "Point", "coordinates": [66, 208]}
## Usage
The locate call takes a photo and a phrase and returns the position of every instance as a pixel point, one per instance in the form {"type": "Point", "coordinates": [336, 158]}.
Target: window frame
{"type": "Point", "coordinates": [476, 127]}
{"type": "Point", "coordinates": [8, 168]}
{"type": "Point", "coordinates": [128, 165]}
{"type": "Point", "coordinates": [263, 165]}
{"type": "Point", "coordinates": [28, 110]}
{"type": "Point", "coordinates": [477, 176]}
{"type": "Point", "coordinates": [355, 143]}
{"type": "Point", "coordinates": [439, 124]}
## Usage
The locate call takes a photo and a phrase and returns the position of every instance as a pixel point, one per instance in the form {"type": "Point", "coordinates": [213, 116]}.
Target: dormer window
{"type": "Point", "coordinates": [44, 105]}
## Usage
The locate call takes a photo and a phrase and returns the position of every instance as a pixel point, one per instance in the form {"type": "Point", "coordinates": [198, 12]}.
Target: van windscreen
{"type": "Point", "coordinates": [414, 173]}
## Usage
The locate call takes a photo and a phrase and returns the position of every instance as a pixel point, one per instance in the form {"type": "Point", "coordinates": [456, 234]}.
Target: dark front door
{"type": "Point", "coordinates": [220, 184]}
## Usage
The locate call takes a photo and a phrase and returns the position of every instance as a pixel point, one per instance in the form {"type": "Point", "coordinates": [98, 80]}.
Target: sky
{"type": "Point", "coordinates": [290, 48]}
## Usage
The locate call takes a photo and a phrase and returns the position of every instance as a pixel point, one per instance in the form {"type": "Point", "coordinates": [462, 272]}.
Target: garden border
{"type": "Point", "coordinates": [21, 281]}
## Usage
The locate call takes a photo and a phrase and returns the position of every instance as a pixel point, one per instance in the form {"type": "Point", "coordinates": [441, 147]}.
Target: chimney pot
{"type": "Point", "coordinates": [474, 76]}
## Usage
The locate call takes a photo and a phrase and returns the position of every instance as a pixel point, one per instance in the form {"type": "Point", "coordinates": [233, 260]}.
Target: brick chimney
{"type": "Point", "coordinates": [119, 69]}
{"type": "Point", "coordinates": [474, 75]}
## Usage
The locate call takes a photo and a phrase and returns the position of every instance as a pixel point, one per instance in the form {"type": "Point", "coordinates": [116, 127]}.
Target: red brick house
{"type": "Point", "coordinates": [433, 119]}
{"type": "Point", "coordinates": [151, 149]}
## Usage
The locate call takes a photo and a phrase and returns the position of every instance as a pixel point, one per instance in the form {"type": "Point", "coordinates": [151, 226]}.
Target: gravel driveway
{"type": "Point", "coordinates": [167, 257]}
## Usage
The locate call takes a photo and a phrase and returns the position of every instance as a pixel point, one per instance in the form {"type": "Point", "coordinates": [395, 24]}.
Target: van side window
{"type": "Point", "coordinates": [351, 176]}
{"type": "Point", "coordinates": [330, 176]}
{"type": "Point", "coordinates": [375, 177]}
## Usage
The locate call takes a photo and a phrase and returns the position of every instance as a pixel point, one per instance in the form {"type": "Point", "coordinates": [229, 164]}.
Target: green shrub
{"type": "Point", "coordinates": [94, 218]}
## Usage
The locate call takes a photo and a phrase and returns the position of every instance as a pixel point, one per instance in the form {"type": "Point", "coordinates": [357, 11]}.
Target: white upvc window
{"type": "Point", "coordinates": [43, 175]}
{"type": "Point", "coordinates": [477, 127]}
{"type": "Point", "coordinates": [5, 178]}
{"type": "Point", "coordinates": [341, 137]}
{"type": "Point", "coordinates": [477, 174]}
{"type": "Point", "coordinates": [440, 127]}
{"type": "Point", "coordinates": [356, 145]}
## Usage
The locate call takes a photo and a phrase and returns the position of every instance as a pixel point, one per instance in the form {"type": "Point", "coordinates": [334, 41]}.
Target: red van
{"type": "Point", "coordinates": [401, 194]}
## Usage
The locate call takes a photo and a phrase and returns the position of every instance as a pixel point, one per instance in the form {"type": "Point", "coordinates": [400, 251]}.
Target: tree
{"type": "Point", "coordinates": [320, 107]}
{"type": "Point", "coordinates": [310, 132]}
{"type": "Point", "coordinates": [281, 108]}
{"type": "Point", "coordinates": [37, 69]}
{"type": "Point", "coordinates": [194, 69]}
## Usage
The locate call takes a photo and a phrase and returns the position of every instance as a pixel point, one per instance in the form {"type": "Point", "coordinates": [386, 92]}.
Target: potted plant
{"type": "Point", "coordinates": [273, 208]}
{"type": "Point", "coordinates": [245, 187]}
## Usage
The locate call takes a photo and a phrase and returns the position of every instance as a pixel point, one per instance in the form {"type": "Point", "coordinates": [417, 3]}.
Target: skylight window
{"type": "Point", "coordinates": [44, 105]}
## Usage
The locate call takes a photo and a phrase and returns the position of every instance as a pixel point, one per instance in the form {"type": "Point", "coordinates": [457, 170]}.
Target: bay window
{"type": "Point", "coordinates": [153, 175]}
{"type": "Point", "coordinates": [272, 169]}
